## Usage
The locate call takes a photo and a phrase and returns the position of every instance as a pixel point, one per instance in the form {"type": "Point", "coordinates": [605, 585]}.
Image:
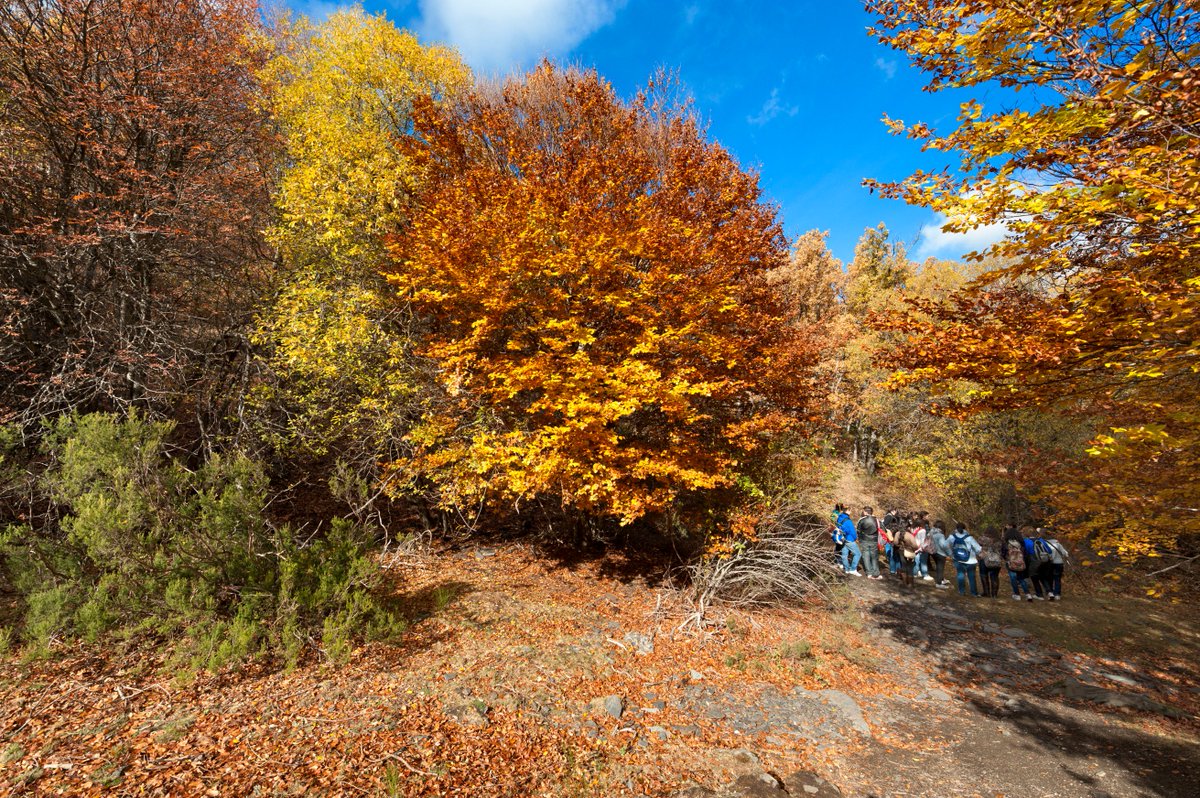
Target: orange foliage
{"type": "Point", "coordinates": [592, 276]}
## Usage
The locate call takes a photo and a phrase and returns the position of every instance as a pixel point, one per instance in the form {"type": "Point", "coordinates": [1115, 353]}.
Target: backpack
{"type": "Point", "coordinates": [910, 540]}
{"type": "Point", "coordinates": [959, 548]}
{"type": "Point", "coordinates": [839, 537]}
{"type": "Point", "coordinates": [1042, 551]}
{"type": "Point", "coordinates": [992, 558]}
{"type": "Point", "coordinates": [1016, 555]}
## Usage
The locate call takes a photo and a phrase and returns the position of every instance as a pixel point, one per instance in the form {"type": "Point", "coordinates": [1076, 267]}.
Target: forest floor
{"type": "Point", "coordinates": [525, 674]}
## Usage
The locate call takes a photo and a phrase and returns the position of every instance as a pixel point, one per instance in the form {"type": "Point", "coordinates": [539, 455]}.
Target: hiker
{"type": "Point", "coordinates": [908, 551]}
{"type": "Point", "coordinates": [964, 548]}
{"type": "Point", "coordinates": [1043, 566]}
{"type": "Point", "coordinates": [924, 544]}
{"type": "Point", "coordinates": [845, 531]}
{"type": "Point", "coordinates": [990, 562]}
{"type": "Point", "coordinates": [868, 542]}
{"type": "Point", "coordinates": [939, 552]}
{"type": "Point", "coordinates": [1033, 557]}
{"type": "Point", "coordinates": [1013, 549]}
{"type": "Point", "coordinates": [893, 531]}
{"type": "Point", "coordinates": [835, 534]}
{"type": "Point", "coordinates": [1058, 564]}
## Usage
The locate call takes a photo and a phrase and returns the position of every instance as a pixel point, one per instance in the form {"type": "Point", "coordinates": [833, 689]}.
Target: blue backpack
{"type": "Point", "coordinates": [959, 548]}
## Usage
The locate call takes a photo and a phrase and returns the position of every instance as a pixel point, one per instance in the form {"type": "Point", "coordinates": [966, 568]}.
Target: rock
{"type": "Point", "coordinates": [738, 761]}
{"type": "Point", "coordinates": [612, 705]}
{"type": "Point", "coordinates": [695, 676]}
{"type": "Point", "coordinates": [1014, 632]}
{"type": "Point", "coordinates": [694, 791]}
{"type": "Point", "coordinates": [469, 714]}
{"type": "Point", "coordinates": [958, 627]}
{"type": "Point", "coordinates": [591, 729]}
{"type": "Point", "coordinates": [714, 713]}
{"type": "Point", "coordinates": [640, 643]}
{"type": "Point", "coordinates": [937, 694]}
{"type": "Point", "coordinates": [659, 732]}
{"type": "Point", "coordinates": [1075, 689]}
{"type": "Point", "coordinates": [849, 709]}
{"type": "Point", "coordinates": [481, 553]}
{"type": "Point", "coordinates": [803, 783]}
{"type": "Point", "coordinates": [759, 785]}
{"type": "Point", "coordinates": [1125, 680]}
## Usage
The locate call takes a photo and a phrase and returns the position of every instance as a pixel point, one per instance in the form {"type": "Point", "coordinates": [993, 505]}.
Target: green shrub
{"type": "Point", "coordinates": [144, 541]}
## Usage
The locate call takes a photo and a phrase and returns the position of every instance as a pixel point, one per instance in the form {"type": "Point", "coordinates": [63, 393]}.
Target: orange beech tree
{"type": "Point", "coordinates": [592, 274]}
{"type": "Point", "coordinates": [1096, 312]}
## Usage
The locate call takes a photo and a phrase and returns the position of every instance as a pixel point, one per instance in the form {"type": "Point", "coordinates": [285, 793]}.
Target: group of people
{"type": "Point", "coordinates": [911, 547]}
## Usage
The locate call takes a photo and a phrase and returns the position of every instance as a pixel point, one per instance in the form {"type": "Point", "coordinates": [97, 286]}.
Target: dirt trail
{"type": "Point", "coordinates": [1013, 716]}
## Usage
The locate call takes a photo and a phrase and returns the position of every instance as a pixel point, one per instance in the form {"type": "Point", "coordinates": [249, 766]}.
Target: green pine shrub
{"type": "Point", "coordinates": [141, 541]}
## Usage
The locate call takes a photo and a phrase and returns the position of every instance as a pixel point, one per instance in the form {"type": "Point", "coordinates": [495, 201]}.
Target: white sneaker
{"type": "Point", "coordinates": [854, 573]}
{"type": "Point", "coordinates": [1016, 596]}
{"type": "Point", "coordinates": [927, 578]}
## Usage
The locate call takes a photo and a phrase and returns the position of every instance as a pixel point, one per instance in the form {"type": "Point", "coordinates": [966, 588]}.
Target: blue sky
{"type": "Point", "coordinates": [795, 90]}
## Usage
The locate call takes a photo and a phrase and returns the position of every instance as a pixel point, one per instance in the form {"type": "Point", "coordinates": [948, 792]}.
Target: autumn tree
{"type": "Point", "coordinates": [592, 276]}
{"type": "Point", "coordinates": [132, 193]}
{"type": "Point", "coordinates": [342, 373]}
{"type": "Point", "coordinates": [1096, 176]}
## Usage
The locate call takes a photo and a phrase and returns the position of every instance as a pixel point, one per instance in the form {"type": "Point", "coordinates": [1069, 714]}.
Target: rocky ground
{"type": "Point", "coordinates": [525, 675]}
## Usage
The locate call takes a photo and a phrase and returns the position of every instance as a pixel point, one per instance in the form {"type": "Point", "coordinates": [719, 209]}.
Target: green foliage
{"type": "Point", "coordinates": [144, 541]}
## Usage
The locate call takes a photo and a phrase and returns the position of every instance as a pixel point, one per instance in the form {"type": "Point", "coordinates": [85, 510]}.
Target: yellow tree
{"type": "Point", "coordinates": [1098, 180]}
{"type": "Point", "coordinates": [593, 278]}
{"type": "Point", "coordinates": [342, 94]}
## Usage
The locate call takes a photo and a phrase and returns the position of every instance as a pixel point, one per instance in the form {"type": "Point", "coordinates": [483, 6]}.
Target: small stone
{"type": "Point", "coordinates": [1125, 680]}
{"type": "Point", "coordinates": [481, 553]}
{"type": "Point", "coordinates": [639, 643]}
{"type": "Point", "coordinates": [714, 713]}
{"type": "Point", "coordinates": [803, 782]}
{"type": "Point", "coordinates": [1015, 633]}
{"type": "Point", "coordinates": [659, 732]}
{"type": "Point", "coordinates": [695, 676]}
{"type": "Point", "coordinates": [613, 705]}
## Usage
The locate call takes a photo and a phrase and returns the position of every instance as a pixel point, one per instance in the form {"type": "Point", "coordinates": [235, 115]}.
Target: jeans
{"type": "Point", "coordinates": [895, 559]}
{"type": "Point", "coordinates": [851, 554]}
{"type": "Point", "coordinates": [920, 565]}
{"type": "Point", "coordinates": [1019, 585]}
{"type": "Point", "coordinates": [870, 548]}
{"type": "Point", "coordinates": [990, 579]}
{"type": "Point", "coordinates": [1056, 572]}
{"type": "Point", "coordinates": [965, 573]}
{"type": "Point", "coordinates": [939, 567]}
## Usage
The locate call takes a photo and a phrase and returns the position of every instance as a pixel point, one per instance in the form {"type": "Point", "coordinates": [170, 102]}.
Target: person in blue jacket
{"type": "Point", "coordinates": [847, 533]}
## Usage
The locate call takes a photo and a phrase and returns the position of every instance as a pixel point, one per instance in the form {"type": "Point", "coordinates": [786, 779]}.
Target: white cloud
{"type": "Point", "coordinates": [495, 36]}
{"type": "Point", "coordinates": [772, 108]}
{"type": "Point", "coordinates": [887, 67]}
{"type": "Point", "coordinates": [691, 14]}
{"type": "Point", "coordinates": [936, 242]}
